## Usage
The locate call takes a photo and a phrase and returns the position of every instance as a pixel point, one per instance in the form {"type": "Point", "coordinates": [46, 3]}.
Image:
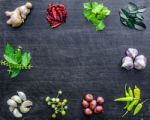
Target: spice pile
{"type": "Point", "coordinates": [132, 99]}
{"type": "Point", "coordinates": [92, 106]}
{"type": "Point", "coordinates": [57, 105]}
{"type": "Point", "coordinates": [133, 60]}
{"type": "Point", "coordinates": [56, 14]}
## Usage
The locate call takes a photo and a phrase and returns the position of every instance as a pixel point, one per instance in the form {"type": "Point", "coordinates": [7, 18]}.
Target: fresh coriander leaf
{"type": "Point", "coordinates": [106, 11]}
{"type": "Point", "coordinates": [14, 73]}
{"type": "Point", "coordinates": [94, 4]}
{"type": "Point", "coordinates": [26, 59]}
{"type": "Point", "coordinates": [87, 6]}
{"type": "Point", "coordinates": [100, 26]}
{"type": "Point", "coordinates": [10, 59]}
{"type": "Point", "coordinates": [9, 50]}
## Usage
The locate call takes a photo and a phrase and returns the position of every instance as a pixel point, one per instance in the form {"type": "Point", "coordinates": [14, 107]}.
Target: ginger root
{"type": "Point", "coordinates": [18, 16]}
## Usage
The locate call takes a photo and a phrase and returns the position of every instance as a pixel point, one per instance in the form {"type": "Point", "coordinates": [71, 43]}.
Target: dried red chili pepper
{"type": "Point", "coordinates": [56, 14]}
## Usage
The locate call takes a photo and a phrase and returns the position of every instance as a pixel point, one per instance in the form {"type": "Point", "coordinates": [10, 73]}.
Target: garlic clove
{"type": "Point", "coordinates": [16, 98]}
{"type": "Point", "coordinates": [11, 109]}
{"type": "Point", "coordinates": [127, 63]}
{"type": "Point", "coordinates": [16, 113]}
{"type": "Point", "coordinates": [11, 103]}
{"type": "Point", "coordinates": [132, 52]}
{"type": "Point", "coordinates": [27, 103]}
{"type": "Point", "coordinates": [24, 109]}
{"type": "Point", "coordinates": [140, 62]}
{"type": "Point", "coordinates": [22, 95]}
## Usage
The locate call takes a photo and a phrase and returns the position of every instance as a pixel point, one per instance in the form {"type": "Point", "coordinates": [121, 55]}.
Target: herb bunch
{"type": "Point", "coordinates": [132, 16]}
{"type": "Point", "coordinates": [96, 14]}
{"type": "Point", "coordinates": [132, 99]}
{"type": "Point", "coordinates": [57, 105]}
{"type": "Point", "coordinates": [15, 60]}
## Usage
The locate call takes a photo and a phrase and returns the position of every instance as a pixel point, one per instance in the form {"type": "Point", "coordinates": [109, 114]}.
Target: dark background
{"type": "Point", "coordinates": [74, 58]}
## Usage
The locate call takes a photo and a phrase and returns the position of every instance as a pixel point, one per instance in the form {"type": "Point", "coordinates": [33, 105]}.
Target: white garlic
{"type": "Point", "coordinates": [22, 95]}
{"type": "Point", "coordinates": [16, 113]}
{"type": "Point", "coordinates": [132, 52]}
{"type": "Point", "coordinates": [127, 63]}
{"type": "Point", "coordinates": [24, 109]}
{"type": "Point", "coordinates": [16, 98]}
{"type": "Point", "coordinates": [140, 62]}
{"type": "Point", "coordinates": [27, 103]}
{"type": "Point", "coordinates": [11, 109]}
{"type": "Point", "coordinates": [12, 103]}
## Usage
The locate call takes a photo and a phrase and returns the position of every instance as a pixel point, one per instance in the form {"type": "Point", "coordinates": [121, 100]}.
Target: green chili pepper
{"type": "Point", "coordinates": [127, 95]}
{"type": "Point", "coordinates": [137, 94]}
{"type": "Point", "coordinates": [124, 99]}
{"type": "Point", "coordinates": [139, 107]}
{"type": "Point", "coordinates": [132, 104]}
{"type": "Point", "coordinates": [130, 92]}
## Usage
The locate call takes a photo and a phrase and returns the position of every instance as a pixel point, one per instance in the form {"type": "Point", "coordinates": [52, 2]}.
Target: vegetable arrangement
{"type": "Point", "coordinates": [132, 16]}
{"type": "Point", "coordinates": [18, 16]}
{"type": "Point", "coordinates": [133, 60]}
{"type": "Point", "coordinates": [57, 105]}
{"type": "Point", "coordinates": [132, 99]}
{"type": "Point", "coordinates": [15, 60]}
{"type": "Point", "coordinates": [96, 13]}
{"type": "Point", "coordinates": [19, 104]}
{"type": "Point", "coordinates": [92, 106]}
{"type": "Point", "coordinates": [56, 15]}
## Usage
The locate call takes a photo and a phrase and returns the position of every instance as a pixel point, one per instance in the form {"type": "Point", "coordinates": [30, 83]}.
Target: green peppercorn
{"type": "Point", "coordinates": [53, 115]}
{"type": "Point", "coordinates": [63, 112]}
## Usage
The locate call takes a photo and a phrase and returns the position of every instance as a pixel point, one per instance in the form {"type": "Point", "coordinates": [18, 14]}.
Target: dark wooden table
{"type": "Point", "coordinates": [74, 58]}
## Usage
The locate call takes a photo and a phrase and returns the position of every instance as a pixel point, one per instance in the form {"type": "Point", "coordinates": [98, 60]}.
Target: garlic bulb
{"type": "Point", "coordinates": [140, 62]}
{"type": "Point", "coordinates": [132, 52]}
{"type": "Point", "coordinates": [127, 63]}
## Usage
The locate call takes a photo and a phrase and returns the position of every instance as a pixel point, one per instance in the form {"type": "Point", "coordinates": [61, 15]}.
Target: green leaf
{"type": "Point", "coordinates": [10, 59]}
{"type": "Point", "coordinates": [140, 26]}
{"type": "Point", "coordinates": [87, 13]}
{"type": "Point", "coordinates": [139, 16]}
{"type": "Point", "coordinates": [141, 9]}
{"type": "Point", "coordinates": [14, 73]}
{"type": "Point", "coordinates": [97, 8]}
{"type": "Point", "coordinates": [123, 21]}
{"type": "Point", "coordinates": [87, 6]}
{"type": "Point", "coordinates": [100, 26]}
{"type": "Point", "coordinates": [26, 57]}
{"type": "Point", "coordinates": [130, 23]}
{"type": "Point", "coordinates": [94, 4]}
{"type": "Point", "coordinates": [106, 11]}
{"type": "Point", "coordinates": [18, 55]}
{"type": "Point", "coordinates": [9, 51]}
{"type": "Point", "coordinates": [124, 14]}
{"type": "Point", "coordinates": [132, 7]}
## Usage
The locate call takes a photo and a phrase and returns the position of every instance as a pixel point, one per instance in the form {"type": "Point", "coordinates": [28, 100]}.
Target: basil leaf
{"type": "Point", "coordinates": [26, 59]}
{"type": "Point", "coordinates": [14, 73]}
{"type": "Point", "coordinates": [9, 50]}
{"type": "Point", "coordinates": [123, 21]}
{"type": "Point", "coordinates": [130, 23]}
{"type": "Point", "coordinates": [100, 26]}
{"type": "Point", "coordinates": [123, 14]}
{"type": "Point", "coordinates": [139, 16]}
{"type": "Point", "coordinates": [140, 26]}
{"type": "Point", "coordinates": [10, 59]}
{"type": "Point", "coordinates": [87, 6]}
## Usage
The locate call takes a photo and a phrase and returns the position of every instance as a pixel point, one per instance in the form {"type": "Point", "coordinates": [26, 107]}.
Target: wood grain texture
{"type": "Point", "coordinates": [74, 58]}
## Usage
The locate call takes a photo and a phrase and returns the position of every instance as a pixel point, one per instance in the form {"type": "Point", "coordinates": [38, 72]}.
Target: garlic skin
{"type": "Point", "coordinates": [140, 62]}
{"type": "Point", "coordinates": [127, 63]}
{"type": "Point", "coordinates": [22, 95]}
{"type": "Point", "coordinates": [132, 52]}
